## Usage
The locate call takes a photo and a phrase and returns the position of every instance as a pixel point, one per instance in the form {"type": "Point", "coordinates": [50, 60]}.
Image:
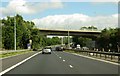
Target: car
{"type": "Point", "coordinates": [78, 46]}
{"type": "Point", "coordinates": [59, 48]}
{"type": "Point", "coordinates": [85, 48]}
{"type": "Point", "coordinates": [46, 51]}
{"type": "Point", "coordinates": [35, 49]}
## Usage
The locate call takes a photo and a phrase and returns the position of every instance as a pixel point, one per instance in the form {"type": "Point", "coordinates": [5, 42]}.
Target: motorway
{"type": "Point", "coordinates": [63, 63]}
{"type": "Point", "coordinates": [10, 61]}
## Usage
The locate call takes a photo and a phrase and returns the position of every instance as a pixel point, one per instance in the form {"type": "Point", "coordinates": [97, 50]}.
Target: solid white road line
{"type": "Point", "coordinates": [70, 66]}
{"type": "Point", "coordinates": [5, 71]}
{"type": "Point", "coordinates": [94, 58]}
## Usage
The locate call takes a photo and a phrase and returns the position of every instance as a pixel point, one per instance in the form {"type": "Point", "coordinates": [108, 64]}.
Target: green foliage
{"type": "Point", "coordinates": [23, 32]}
{"type": "Point", "coordinates": [81, 40]}
{"type": "Point", "coordinates": [8, 37]}
{"type": "Point", "coordinates": [65, 40]}
{"type": "Point", "coordinates": [55, 40]}
{"type": "Point", "coordinates": [88, 28]}
{"type": "Point", "coordinates": [37, 39]}
{"type": "Point", "coordinates": [52, 41]}
{"type": "Point", "coordinates": [13, 53]}
{"type": "Point", "coordinates": [109, 39]}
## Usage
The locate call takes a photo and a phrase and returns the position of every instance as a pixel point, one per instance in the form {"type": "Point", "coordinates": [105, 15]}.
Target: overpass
{"type": "Point", "coordinates": [62, 32]}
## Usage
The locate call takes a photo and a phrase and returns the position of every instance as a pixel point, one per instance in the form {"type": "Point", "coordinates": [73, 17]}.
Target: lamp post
{"type": "Point", "coordinates": [118, 47]}
{"type": "Point", "coordinates": [1, 24]}
{"type": "Point", "coordinates": [15, 33]}
{"type": "Point", "coordinates": [62, 40]}
{"type": "Point", "coordinates": [68, 40]}
{"type": "Point", "coordinates": [68, 36]}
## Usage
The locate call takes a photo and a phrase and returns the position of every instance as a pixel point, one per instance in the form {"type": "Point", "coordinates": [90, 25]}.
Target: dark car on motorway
{"type": "Point", "coordinates": [59, 48]}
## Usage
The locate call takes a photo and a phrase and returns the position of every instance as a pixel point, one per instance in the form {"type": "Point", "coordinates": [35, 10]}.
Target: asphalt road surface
{"type": "Point", "coordinates": [10, 61]}
{"type": "Point", "coordinates": [63, 63]}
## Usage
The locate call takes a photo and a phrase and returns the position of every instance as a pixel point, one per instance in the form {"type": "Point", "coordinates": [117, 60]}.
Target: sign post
{"type": "Point", "coordinates": [29, 44]}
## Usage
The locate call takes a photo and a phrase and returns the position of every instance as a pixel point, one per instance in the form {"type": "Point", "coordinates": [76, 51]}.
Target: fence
{"type": "Point", "coordinates": [112, 56]}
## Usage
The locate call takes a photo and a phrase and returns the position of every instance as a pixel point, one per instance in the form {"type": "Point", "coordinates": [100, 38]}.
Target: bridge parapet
{"type": "Point", "coordinates": [62, 32]}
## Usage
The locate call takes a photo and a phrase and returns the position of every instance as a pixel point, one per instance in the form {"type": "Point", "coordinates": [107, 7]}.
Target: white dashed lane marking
{"type": "Point", "coordinates": [70, 66]}
{"type": "Point", "coordinates": [60, 57]}
{"type": "Point", "coordinates": [64, 60]}
{"type": "Point", "coordinates": [56, 54]}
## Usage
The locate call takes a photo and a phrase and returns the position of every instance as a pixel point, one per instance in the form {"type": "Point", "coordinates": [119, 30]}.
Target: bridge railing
{"type": "Point", "coordinates": [112, 56]}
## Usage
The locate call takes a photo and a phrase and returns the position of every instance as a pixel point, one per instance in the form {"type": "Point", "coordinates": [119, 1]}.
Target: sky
{"type": "Point", "coordinates": [59, 14]}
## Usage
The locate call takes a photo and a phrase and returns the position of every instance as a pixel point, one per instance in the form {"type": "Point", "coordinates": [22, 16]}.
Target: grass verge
{"type": "Point", "coordinates": [13, 54]}
{"type": "Point", "coordinates": [70, 51]}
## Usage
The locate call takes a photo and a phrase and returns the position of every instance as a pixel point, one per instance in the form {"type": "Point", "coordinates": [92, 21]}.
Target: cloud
{"type": "Point", "coordinates": [76, 21]}
{"type": "Point", "coordinates": [67, 0]}
{"type": "Point", "coordinates": [24, 7]}
{"type": "Point", "coordinates": [105, 0]}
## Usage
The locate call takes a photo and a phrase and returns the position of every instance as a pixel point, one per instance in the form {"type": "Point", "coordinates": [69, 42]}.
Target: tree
{"type": "Point", "coordinates": [92, 28]}
{"type": "Point", "coordinates": [81, 40]}
{"type": "Point", "coordinates": [8, 37]}
{"type": "Point", "coordinates": [23, 32]}
{"type": "Point", "coordinates": [88, 28]}
{"type": "Point", "coordinates": [108, 39]}
{"type": "Point", "coordinates": [37, 39]}
{"type": "Point", "coordinates": [8, 33]}
{"type": "Point", "coordinates": [83, 28]}
{"type": "Point", "coordinates": [56, 40]}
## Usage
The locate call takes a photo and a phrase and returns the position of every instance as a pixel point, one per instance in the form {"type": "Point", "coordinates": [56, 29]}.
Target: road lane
{"type": "Point", "coordinates": [63, 63]}
{"type": "Point", "coordinates": [43, 64]}
{"type": "Point", "coordinates": [10, 61]}
{"type": "Point", "coordinates": [88, 66]}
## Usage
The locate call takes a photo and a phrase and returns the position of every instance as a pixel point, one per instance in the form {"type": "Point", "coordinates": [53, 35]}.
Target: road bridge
{"type": "Point", "coordinates": [62, 32]}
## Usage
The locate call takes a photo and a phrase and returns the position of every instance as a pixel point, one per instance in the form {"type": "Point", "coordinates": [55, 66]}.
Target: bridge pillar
{"type": "Point", "coordinates": [68, 40]}
{"type": "Point", "coordinates": [62, 40]}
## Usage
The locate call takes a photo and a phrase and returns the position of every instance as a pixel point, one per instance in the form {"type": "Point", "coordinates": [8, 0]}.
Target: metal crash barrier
{"type": "Point", "coordinates": [112, 56]}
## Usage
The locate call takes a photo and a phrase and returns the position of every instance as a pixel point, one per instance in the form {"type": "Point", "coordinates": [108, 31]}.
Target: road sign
{"type": "Point", "coordinates": [29, 46]}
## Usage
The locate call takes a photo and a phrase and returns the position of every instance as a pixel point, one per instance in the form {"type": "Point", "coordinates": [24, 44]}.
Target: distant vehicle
{"type": "Point", "coordinates": [59, 48]}
{"type": "Point", "coordinates": [78, 46]}
{"type": "Point", "coordinates": [46, 51]}
{"type": "Point", "coordinates": [62, 48]}
{"type": "Point", "coordinates": [85, 48]}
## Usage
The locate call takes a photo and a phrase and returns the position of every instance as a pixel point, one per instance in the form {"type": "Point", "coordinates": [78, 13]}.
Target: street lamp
{"type": "Point", "coordinates": [1, 24]}
{"type": "Point", "coordinates": [118, 47]}
{"type": "Point", "coordinates": [62, 40]}
{"type": "Point", "coordinates": [68, 39]}
{"type": "Point", "coordinates": [15, 33]}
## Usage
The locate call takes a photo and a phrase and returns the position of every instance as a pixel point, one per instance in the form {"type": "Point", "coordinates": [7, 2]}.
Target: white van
{"type": "Point", "coordinates": [78, 46]}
